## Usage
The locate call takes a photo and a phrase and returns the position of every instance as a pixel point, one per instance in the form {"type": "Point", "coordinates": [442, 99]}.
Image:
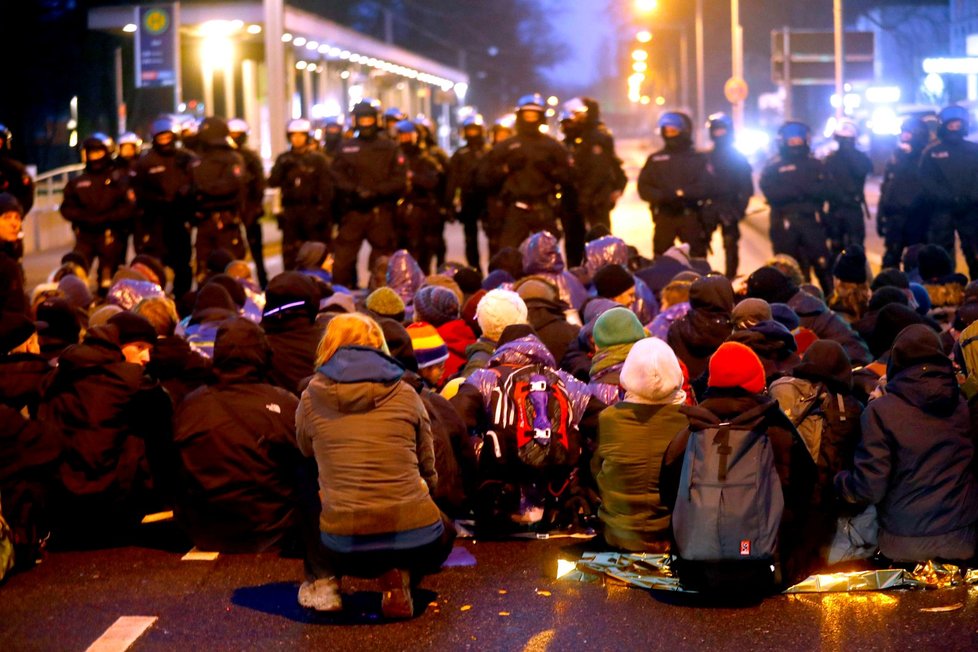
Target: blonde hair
{"type": "Point", "coordinates": [675, 292]}
{"type": "Point", "coordinates": [850, 299]}
{"type": "Point", "coordinates": [352, 329]}
{"type": "Point", "coordinates": [160, 312]}
{"type": "Point", "coordinates": [788, 266]}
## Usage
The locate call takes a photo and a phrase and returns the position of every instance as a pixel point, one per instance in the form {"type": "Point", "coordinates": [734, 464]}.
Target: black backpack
{"type": "Point", "coordinates": [218, 178]}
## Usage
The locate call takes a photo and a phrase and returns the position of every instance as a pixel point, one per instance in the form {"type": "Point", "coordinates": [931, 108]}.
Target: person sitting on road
{"type": "Point", "coordinates": [498, 309]}
{"type": "Point", "coordinates": [615, 332]}
{"type": "Point", "coordinates": [371, 437]}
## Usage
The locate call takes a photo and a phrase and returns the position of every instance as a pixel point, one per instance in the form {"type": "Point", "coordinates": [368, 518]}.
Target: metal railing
{"type": "Point", "coordinates": [48, 228]}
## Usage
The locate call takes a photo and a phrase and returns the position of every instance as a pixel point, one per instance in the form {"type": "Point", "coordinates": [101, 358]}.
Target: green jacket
{"type": "Point", "coordinates": [632, 439]}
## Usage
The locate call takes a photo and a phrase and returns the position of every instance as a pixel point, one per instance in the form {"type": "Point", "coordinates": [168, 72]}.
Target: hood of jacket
{"type": "Point", "coordinates": [702, 331]}
{"type": "Point", "coordinates": [827, 362]}
{"type": "Point", "coordinates": [404, 275]}
{"type": "Point", "coordinates": [920, 373]}
{"type": "Point", "coordinates": [20, 378]}
{"type": "Point", "coordinates": [543, 312]}
{"type": "Point", "coordinates": [457, 335]}
{"type": "Point", "coordinates": [713, 294]}
{"type": "Point", "coordinates": [769, 339]}
{"type": "Point", "coordinates": [805, 305]}
{"type": "Point", "coordinates": [730, 403]}
{"type": "Point", "coordinates": [356, 379]}
{"type": "Point", "coordinates": [609, 250]}
{"type": "Point", "coordinates": [241, 352]}
{"type": "Point", "coordinates": [541, 255]}
{"type": "Point", "coordinates": [523, 351]}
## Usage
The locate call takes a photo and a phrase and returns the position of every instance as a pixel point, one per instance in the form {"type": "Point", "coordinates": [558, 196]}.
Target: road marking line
{"type": "Point", "coordinates": [199, 555]}
{"type": "Point", "coordinates": [157, 517]}
{"type": "Point", "coordinates": [122, 634]}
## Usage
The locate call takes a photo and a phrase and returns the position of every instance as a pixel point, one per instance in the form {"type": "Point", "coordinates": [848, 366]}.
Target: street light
{"type": "Point", "coordinates": [646, 6]}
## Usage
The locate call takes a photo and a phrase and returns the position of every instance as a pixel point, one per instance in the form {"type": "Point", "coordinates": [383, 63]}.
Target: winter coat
{"type": "Point", "coordinates": [371, 437]}
{"type": "Point", "coordinates": [477, 356]}
{"type": "Point", "coordinates": [368, 173]}
{"type": "Point", "coordinates": [664, 320]}
{"type": "Point", "coordinates": [915, 458]}
{"type": "Point", "coordinates": [542, 257]}
{"type": "Point", "coordinates": [202, 330]}
{"type": "Point", "coordinates": [294, 339]}
{"type": "Point", "coordinates": [12, 296]}
{"type": "Point", "coordinates": [774, 345]}
{"type": "Point", "coordinates": [700, 332]}
{"type": "Point", "coordinates": [665, 268]}
{"type": "Point", "coordinates": [405, 277]}
{"type": "Point", "coordinates": [676, 167]}
{"type": "Point", "coordinates": [550, 323]}
{"type": "Point", "coordinates": [458, 337]}
{"type": "Point", "coordinates": [817, 317]}
{"type": "Point", "coordinates": [238, 461]}
{"type": "Point", "coordinates": [611, 250]}
{"type": "Point", "coordinates": [795, 182]}
{"type": "Point", "coordinates": [99, 199]}
{"type": "Point", "coordinates": [577, 359]}
{"type": "Point", "coordinates": [632, 439]}
{"type": "Point", "coordinates": [178, 368]}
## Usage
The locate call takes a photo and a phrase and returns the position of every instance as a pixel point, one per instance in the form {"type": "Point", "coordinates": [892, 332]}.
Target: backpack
{"type": "Point", "coordinates": [729, 505]}
{"type": "Point", "coordinates": [218, 178]}
{"type": "Point", "coordinates": [801, 401]}
{"type": "Point", "coordinates": [533, 419]}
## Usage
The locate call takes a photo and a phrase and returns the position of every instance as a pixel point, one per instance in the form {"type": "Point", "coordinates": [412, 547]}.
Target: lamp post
{"type": "Point", "coordinates": [700, 99]}
{"type": "Point", "coordinates": [736, 58]}
{"type": "Point", "coordinates": [275, 72]}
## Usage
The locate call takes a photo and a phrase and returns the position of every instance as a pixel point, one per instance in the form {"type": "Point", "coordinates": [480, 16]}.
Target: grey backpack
{"type": "Point", "coordinates": [728, 509]}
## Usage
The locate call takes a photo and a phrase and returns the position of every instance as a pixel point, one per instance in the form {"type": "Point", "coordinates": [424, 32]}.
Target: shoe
{"type": "Point", "coordinates": [322, 594]}
{"type": "Point", "coordinates": [396, 601]}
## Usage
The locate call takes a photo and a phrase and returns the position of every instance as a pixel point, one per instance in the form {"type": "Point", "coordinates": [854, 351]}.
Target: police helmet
{"type": "Point", "coordinates": [846, 129]}
{"type": "Point", "coordinates": [107, 141]}
{"type": "Point", "coordinates": [406, 127]}
{"type": "Point", "coordinates": [794, 134]}
{"type": "Point", "coordinates": [161, 126]}
{"type": "Point", "coordinates": [951, 114]}
{"type": "Point", "coordinates": [5, 136]}
{"type": "Point", "coordinates": [506, 121]}
{"type": "Point", "coordinates": [299, 126]}
{"type": "Point", "coordinates": [95, 142]}
{"type": "Point", "coordinates": [214, 131]}
{"type": "Point", "coordinates": [333, 121]}
{"type": "Point", "coordinates": [238, 126]}
{"type": "Point", "coordinates": [129, 138]}
{"type": "Point", "coordinates": [366, 107]}
{"type": "Point", "coordinates": [189, 127]}
{"type": "Point", "coordinates": [474, 120]}
{"type": "Point", "coordinates": [719, 121]}
{"type": "Point", "coordinates": [916, 129]}
{"type": "Point", "coordinates": [532, 102]}
{"type": "Point", "coordinates": [574, 106]}
{"type": "Point", "coordinates": [677, 121]}
{"type": "Point", "coordinates": [394, 114]}
{"type": "Point", "coordinates": [565, 116]}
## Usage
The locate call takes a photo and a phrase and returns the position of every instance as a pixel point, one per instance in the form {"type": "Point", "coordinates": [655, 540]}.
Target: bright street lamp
{"type": "Point", "coordinates": [646, 6]}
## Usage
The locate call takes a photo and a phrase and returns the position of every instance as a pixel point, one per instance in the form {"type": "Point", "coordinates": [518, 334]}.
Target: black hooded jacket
{"type": "Point", "coordinates": [700, 332]}
{"type": "Point", "coordinates": [825, 323]}
{"type": "Point", "coordinates": [550, 323]}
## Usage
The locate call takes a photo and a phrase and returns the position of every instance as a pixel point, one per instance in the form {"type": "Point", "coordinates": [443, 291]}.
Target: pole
{"type": "Point", "coordinates": [275, 71]}
{"type": "Point", "coordinates": [786, 63]}
{"type": "Point", "coordinates": [840, 110]}
{"type": "Point", "coordinates": [230, 106]}
{"type": "Point", "coordinates": [736, 59]}
{"type": "Point", "coordinates": [684, 68]}
{"type": "Point", "coordinates": [700, 99]}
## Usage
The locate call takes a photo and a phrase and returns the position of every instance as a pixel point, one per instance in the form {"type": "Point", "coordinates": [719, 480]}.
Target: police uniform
{"type": "Point", "coordinates": [307, 192]}
{"type": "Point", "coordinates": [734, 188]}
{"type": "Point", "coordinates": [464, 195]}
{"type": "Point", "coordinates": [419, 220]}
{"type": "Point", "coordinates": [901, 219]}
{"type": "Point", "coordinates": [845, 218]}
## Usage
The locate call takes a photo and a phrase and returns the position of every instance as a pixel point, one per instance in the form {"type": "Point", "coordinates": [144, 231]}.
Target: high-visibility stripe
{"type": "Point", "coordinates": [122, 634]}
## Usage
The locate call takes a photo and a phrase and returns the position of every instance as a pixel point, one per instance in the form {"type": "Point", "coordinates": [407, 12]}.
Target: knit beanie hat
{"type": "Point", "coordinates": [435, 305]}
{"type": "Point", "coordinates": [385, 302]}
{"type": "Point", "coordinates": [497, 310]}
{"type": "Point", "coordinates": [652, 373]}
{"type": "Point", "coordinates": [442, 281]}
{"type": "Point", "coordinates": [890, 277]}
{"type": "Point", "coordinates": [15, 329]}
{"type": "Point", "coordinates": [612, 280]}
{"type": "Point", "coordinates": [469, 280]}
{"type": "Point", "coordinates": [885, 296]}
{"type": "Point", "coordinates": [76, 292]}
{"type": "Point", "coordinates": [10, 203]}
{"type": "Point", "coordinates": [537, 287]}
{"type": "Point", "coordinates": [102, 315]}
{"type": "Point", "coordinates": [399, 343]}
{"type": "Point", "coordinates": [934, 263]}
{"type": "Point", "coordinates": [213, 295]}
{"type": "Point", "coordinates": [771, 285]}
{"type": "Point", "coordinates": [617, 326]}
{"type": "Point", "coordinates": [234, 289]}
{"type": "Point", "coordinates": [291, 292]}
{"type": "Point", "coordinates": [750, 312]}
{"type": "Point", "coordinates": [470, 308]}
{"type": "Point", "coordinates": [311, 255]}
{"type": "Point", "coordinates": [429, 347]}
{"type": "Point", "coordinates": [133, 328]}
{"type": "Point", "coordinates": [145, 263]}
{"type": "Point", "coordinates": [60, 320]}
{"type": "Point", "coordinates": [736, 365]}
{"type": "Point", "coordinates": [496, 278]}
{"type": "Point", "coordinates": [785, 315]}
{"type": "Point", "coordinates": [850, 266]}
{"type": "Point", "coordinates": [509, 260]}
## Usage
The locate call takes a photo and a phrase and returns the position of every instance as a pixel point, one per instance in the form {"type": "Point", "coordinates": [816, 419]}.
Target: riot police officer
{"type": "Point", "coordinates": [677, 183]}
{"type": "Point", "coordinates": [948, 171]}
{"type": "Point", "coordinates": [848, 168]}
{"type": "Point", "coordinates": [130, 145]}
{"type": "Point", "coordinates": [527, 171]}
{"type": "Point", "coordinates": [99, 204]}
{"type": "Point", "coordinates": [254, 195]}
{"type": "Point", "coordinates": [392, 116]}
{"type": "Point", "coordinates": [419, 222]}
{"type": "Point", "coordinates": [463, 195]}
{"type": "Point", "coordinates": [219, 193]}
{"type": "Point", "coordinates": [14, 178]}
{"type": "Point", "coordinates": [901, 219]}
{"type": "Point", "coordinates": [796, 185]}
{"type": "Point", "coordinates": [332, 136]}
{"type": "Point", "coordinates": [164, 192]}
{"type": "Point", "coordinates": [733, 190]}
{"type": "Point", "coordinates": [370, 176]}
{"type": "Point", "coordinates": [307, 192]}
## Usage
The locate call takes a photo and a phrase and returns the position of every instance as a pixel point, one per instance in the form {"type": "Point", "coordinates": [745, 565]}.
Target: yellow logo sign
{"type": "Point", "coordinates": [156, 21]}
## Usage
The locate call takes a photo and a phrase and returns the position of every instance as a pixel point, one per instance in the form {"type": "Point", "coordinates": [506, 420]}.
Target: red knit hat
{"type": "Point", "coordinates": [735, 365]}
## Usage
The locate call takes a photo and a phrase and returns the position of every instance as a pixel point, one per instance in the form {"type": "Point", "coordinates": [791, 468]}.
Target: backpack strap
{"type": "Point", "coordinates": [722, 441]}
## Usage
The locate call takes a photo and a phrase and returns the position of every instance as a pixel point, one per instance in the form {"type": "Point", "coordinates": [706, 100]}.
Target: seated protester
{"type": "Point", "coordinates": [439, 307]}
{"type": "Point", "coordinates": [76, 292]}
{"type": "Point", "coordinates": [151, 268]}
{"type": "Point", "coordinates": [446, 282]}
{"type": "Point", "coordinates": [58, 328]}
{"type": "Point", "coordinates": [501, 462]}
{"type": "Point", "coordinates": [405, 277]}
{"type": "Point", "coordinates": [212, 308]}
{"type": "Point", "coordinates": [945, 288]}
{"type": "Point", "coordinates": [611, 250]}
{"type": "Point", "coordinates": [666, 267]}
{"type": "Point", "coordinates": [632, 438]}
{"type": "Point", "coordinates": [577, 359]}
{"type": "Point", "coordinates": [966, 357]}
{"type": "Point", "coordinates": [497, 279]}
{"type": "Point", "coordinates": [177, 367]}
{"type": "Point", "coordinates": [430, 352]}
{"type": "Point", "coordinates": [698, 334]}
{"type": "Point", "coordinates": [750, 312]}
{"type": "Point", "coordinates": [547, 314]}
{"type": "Point", "coordinates": [542, 257]}
{"type": "Point", "coordinates": [237, 293]}
{"type": "Point", "coordinates": [371, 438]}
{"type": "Point", "coordinates": [850, 292]}
{"type": "Point", "coordinates": [469, 309]}
{"type": "Point", "coordinates": [112, 419]}
{"type": "Point", "coordinates": [616, 283]}
{"type": "Point", "coordinates": [29, 448]}
{"type": "Point", "coordinates": [497, 310]}
{"type": "Point", "coordinates": [893, 278]}
{"type": "Point", "coordinates": [817, 398]}
{"type": "Point", "coordinates": [508, 261]}
{"type": "Point", "coordinates": [237, 460]}
{"type": "Point", "coordinates": [774, 345]}
{"type": "Point", "coordinates": [774, 287]}
{"type": "Point", "coordinates": [12, 295]}
{"type": "Point", "coordinates": [915, 458]}
{"type": "Point", "coordinates": [615, 333]}
{"type": "Point", "coordinates": [314, 260]}
{"type": "Point", "coordinates": [674, 304]}
{"type": "Point", "coordinates": [468, 279]}
{"type": "Point", "coordinates": [736, 388]}
{"type": "Point", "coordinates": [880, 298]}
{"type": "Point", "coordinates": [384, 303]}
{"type": "Point", "coordinates": [891, 320]}
{"type": "Point", "coordinates": [292, 302]}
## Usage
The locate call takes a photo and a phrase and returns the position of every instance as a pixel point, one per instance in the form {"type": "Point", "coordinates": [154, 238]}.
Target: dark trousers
{"type": "Point", "coordinates": [943, 224]}
{"type": "Point", "coordinates": [523, 219]}
{"type": "Point", "coordinates": [575, 230]}
{"type": "Point", "coordinates": [493, 224]}
{"type": "Point", "coordinates": [845, 226]}
{"type": "Point", "coordinates": [257, 248]}
{"type": "Point", "coordinates": [421, 230]}
{"type": "Point", "coordinates": [730, 229]}
{"type": "Point", "coordinates": [902, 231]}
{"type": "Point", "coordinates": [166, 237]}
{"type": "Point", "coordinates": [469, 216]}
{"type": "Point", "coordinates": [376, 226]}
{"type": "Point", "coordinates": [802, 236]}
{"type": "Point", "coordinates": [108, 245]}
{"type": "Point", "coordinates": [685, 225]}
{"type": "Point", "coordinates": [147, 235]}
{"type": "Point", "coordinates": [300, 224]}
{"type": "Point", "coordinates": [219, 230]}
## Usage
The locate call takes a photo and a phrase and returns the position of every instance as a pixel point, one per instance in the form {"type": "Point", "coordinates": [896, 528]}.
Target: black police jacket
{"type": "Point", "coordinates": [99, 199]}
{"type": "Point", "coordinates": [368, 172]}
{"type": "Point", "coordinates": [597, 169]}
{"type": "Point", "coordinates": [15, 180]}
{"type": "Point", "coordinates": [848, 169]}
{"type": "Point", "coordinates": [527, 167]}
{"type": "Point", "coordinates": [254, 184]}
{"type": "Point", "coordinates": [303, 177]}
{"type": "Point", "coordinates": [734, 182]}
{"type": "Point", "coordinates": [902, 191]}
{"type": "Point", "coordinates": [675, 178]}
{"type": "Point", "coordinates": [426, 177]}
{"type": "Point", "coordinates": [219, 181]}
{"type": "Point", "coordinates": [462, 174]}
{"type": "Point", "coordinates": [795, 184]}
{"type": "Point", "coordinates": [948, 171]}
{"type": "Point", "coordinates": [163, 180]}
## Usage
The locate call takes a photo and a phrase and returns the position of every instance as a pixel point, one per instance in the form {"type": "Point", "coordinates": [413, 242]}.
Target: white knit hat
{"type": "Point", "coordinates": [651, 374]}
{"type": "Point", "coordinates": [499, 309]}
